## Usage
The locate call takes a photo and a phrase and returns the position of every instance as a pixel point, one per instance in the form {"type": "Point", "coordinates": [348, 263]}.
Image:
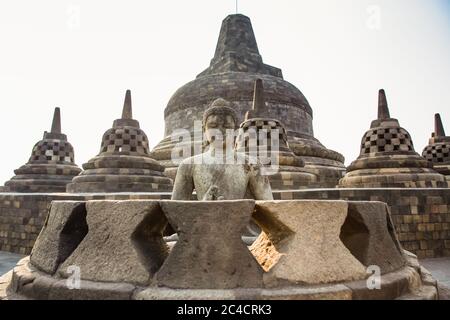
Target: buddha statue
{"type": "Point", "coordinates": [220, 173]}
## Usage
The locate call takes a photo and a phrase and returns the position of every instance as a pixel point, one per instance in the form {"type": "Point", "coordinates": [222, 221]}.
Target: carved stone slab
{"type": "Point", "coordinates": [124, 242]}
{"type": "Point", "coordinates": [301, 244]}
{"type": "Point", "coordinates": [63, 230]}
{"type": "Point", "coordinates": [369, 234]}
{"type": "Point", "coordinates": [210, 253]}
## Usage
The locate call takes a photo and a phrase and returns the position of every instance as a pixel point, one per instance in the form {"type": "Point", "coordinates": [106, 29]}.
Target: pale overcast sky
{"type": "Point", "coordinates": [83, 55]}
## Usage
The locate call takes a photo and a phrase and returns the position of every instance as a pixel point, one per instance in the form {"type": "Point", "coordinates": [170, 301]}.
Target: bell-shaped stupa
{"type": "Point", "coordinates": [51, 165]}
{"type": "Point", "coordinates": [387, 158]}
{"type": "Point", "coordinates": [236, 65]}
{"type": "Point", "coordinates": [265, 139]}
{"type": "Point", "coordinates": [124, 163]}
{"type": "Point", "coordinates": [438, 150]}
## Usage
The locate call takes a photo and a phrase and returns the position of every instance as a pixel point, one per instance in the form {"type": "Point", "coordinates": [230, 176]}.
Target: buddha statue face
{"type": "Point", "coordinates": [219, 124]}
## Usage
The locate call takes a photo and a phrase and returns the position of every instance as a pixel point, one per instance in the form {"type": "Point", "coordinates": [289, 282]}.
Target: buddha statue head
{"type": "Point", "coordinates": [219, 124]}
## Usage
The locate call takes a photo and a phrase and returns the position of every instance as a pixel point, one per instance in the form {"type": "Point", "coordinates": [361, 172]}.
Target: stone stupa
{"type": "Point", "coordinates": [236, 65]}
{"type": "Point", "coordinates": [309, 249]}
{"type": "Point", "coordinates": [438, 150]}
{"type": "Point", "coordinates": [289, 171]}
{"type": "Point", "coordinates": [51, 165]}
{"type": "Point", "coordinates": [387, 158]}
{"type": "Point", "coordinates": [124, 163]}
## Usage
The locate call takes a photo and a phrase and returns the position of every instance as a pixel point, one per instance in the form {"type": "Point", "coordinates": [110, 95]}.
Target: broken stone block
{"type": "Point", "coordinates": [210, 253]}
{"type": "Point", "coordinates": [124, 244]}
{"type": "Point", "coordinates": [63, 231]}
{"type": "Point", "coordinates": [301, 245]}
{"type": "Point", "coordinates": [366, 233]}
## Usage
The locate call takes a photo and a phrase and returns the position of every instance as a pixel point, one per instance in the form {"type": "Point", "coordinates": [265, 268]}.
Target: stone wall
{"type": "Point", "coordinates": [421, 216]}
{"type": "Point", "coordinates": [23, 215]}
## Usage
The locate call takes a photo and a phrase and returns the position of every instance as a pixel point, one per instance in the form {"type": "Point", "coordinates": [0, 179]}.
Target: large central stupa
{"type": "Point", "coordinates": [231, 75]}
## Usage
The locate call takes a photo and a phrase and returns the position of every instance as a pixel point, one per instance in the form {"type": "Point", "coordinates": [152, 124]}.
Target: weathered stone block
{"type": "Point", "coordinates": [91, 291]}
{"type": "Point", "coordinates": [124, 242]}
{"type": "Point", "coordinates": [369, 235]}
{"type": "Point", "coordinates": [63, 231]}
{"type": "Point", "coordinates": [392, 285]}
{"type": "Point", "coordinates": [301, 244]}
{"type": "Point", "coordinates": [210, 253]}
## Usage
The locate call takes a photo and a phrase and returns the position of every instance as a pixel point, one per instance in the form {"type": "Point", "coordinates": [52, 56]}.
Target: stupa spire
{"type": "Point", "coordinates": [259, 101]}
{"type": "Point", "coordinates": [127, 112]}
{"type": "Point", "coordinates": [237, 50]}
{"type": "Point", "coordinates": [236, 36]}
{"type": "Point", "coordinates": [259, 108]}
{"type": "Point", "coordinates": [56, 123]}
{"type": "Point", "coordinates": [383, 109]}
{"type": "Point", "coordinates": [438, 127]}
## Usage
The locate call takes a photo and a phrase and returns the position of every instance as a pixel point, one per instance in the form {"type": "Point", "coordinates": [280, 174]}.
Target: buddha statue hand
{"type": "Point", "coordinates": [213, 194]}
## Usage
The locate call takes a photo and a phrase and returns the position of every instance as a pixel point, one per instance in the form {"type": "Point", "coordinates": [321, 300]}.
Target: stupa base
{"type": "Point", "coordinates": [388, 178]}
{"type": "Point", "coordinates": [411, 282]}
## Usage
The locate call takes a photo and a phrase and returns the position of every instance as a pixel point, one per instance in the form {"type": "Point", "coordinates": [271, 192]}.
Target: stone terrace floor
{"type": "Point", "coordinates": [8, 261]}
{"type": "Point", "coordinates": [440, 267]}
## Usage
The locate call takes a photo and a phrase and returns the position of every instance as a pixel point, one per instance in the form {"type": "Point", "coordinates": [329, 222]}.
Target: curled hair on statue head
{"type": "Point", "coordinates": [220, 107]}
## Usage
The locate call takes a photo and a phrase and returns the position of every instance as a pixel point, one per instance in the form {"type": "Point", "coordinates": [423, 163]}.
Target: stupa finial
{"type": "Point", "coordinates": [438, 127]}
{"type": "Point", "coordinates": [383, 109]}
{"type": "Point", "coordinates": [236, 36]}
{"type": "Point", "coordinates": [127, 112]}
{"type": "Point", "coordinates": [259, 108]}
{"type": "Point", "coordinates": [259, 101]}
{"type": "Point", "coordinates": [56, 123]}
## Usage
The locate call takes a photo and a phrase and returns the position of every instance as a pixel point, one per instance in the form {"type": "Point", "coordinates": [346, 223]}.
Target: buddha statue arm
{"type": "Point", "coordinates": [184, 184]}
{"type": "Point", "coordinates": [260, 186]}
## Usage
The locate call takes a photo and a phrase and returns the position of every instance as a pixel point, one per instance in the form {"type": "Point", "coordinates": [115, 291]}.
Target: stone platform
{"type": "Point", "coordinates": [81, 234]}
{"type": "Point", "coordinates": [7, 261]}
{"type": "Point", "coordinates": [439, 268]}
{"type": "Point", "coordinates": [30, 283]}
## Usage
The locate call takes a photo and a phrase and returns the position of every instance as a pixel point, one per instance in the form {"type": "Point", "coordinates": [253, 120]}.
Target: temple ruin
{"type": "Point", "coordinates": [140, 225]}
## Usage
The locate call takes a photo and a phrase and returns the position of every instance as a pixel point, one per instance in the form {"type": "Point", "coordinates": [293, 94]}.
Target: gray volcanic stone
{"type": "Point", "coordinates": [301, 244]}
{"type": "Point", "coordinates": [387, 158]}
{"type": "Point", "coordinates": [220, 173]}
{"type": "Point", "coordinates": [237, 63]}
{"type": "Point", "coordinates": [210, 253]}
{"type": "Point", "coordinates": [124, 163]}
{"type": "Point", "coordinates": [260, 132]}
{"type": "Point", "coordinates": [124, 243]}
{"type": "Point", "coordinates": [366, 233]}
{"type": "Point", "coordinates": [91, 291]}
{"type": "Point", "coordinates": [437, 151]}
{"type": "Point", "coordinates": [51, 165]}
{"type": "Point", "coordinates": [393, 285]}
{"type": "Point", "coordinates": [63, 230]}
